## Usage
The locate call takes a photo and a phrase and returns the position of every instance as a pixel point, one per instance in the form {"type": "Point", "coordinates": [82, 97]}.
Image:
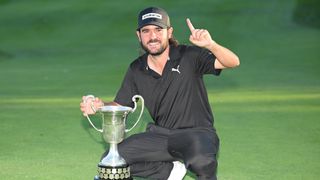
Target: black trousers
{"type": "Point", "coordinates": [150, 154]}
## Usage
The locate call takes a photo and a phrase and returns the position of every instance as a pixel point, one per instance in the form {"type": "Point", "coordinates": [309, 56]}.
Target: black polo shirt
{"type": "Point", "coordinates": [177, 98]}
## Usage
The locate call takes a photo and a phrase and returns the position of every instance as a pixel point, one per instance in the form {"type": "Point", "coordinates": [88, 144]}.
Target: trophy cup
{"type": "Point", "coordinates": [113, 166]}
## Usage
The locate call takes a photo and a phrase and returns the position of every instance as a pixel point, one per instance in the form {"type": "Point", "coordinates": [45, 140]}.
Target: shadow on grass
{"type": "Point", "coordinates": [5, 55]}
{"type": "Point", "coordinates": [2, 2]}
{"type": "Point", "coordinates": [307, 13]}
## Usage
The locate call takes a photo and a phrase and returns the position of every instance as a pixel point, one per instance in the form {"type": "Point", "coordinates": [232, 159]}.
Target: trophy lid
{"type": "Point", "coordinates": [115, 109]}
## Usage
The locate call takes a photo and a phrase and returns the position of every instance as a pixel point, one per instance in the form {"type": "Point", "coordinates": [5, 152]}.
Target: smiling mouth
{"type": "Point", "coordinates": [153, 43]}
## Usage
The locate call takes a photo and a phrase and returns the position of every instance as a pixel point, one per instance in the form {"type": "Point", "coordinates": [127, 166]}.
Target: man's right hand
{"type": "Point", "coordinates": [87, 103]}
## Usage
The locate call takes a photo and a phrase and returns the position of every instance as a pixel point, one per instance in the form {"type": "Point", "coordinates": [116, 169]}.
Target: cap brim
{"type": "Point", "coordinates": [153, 23]}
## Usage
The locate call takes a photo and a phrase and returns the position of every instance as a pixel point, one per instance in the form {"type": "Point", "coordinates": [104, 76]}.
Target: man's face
{"type": "Point", "coordinates": [154, 39]}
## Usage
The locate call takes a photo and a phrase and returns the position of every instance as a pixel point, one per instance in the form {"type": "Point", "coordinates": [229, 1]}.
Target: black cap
{"type": "Point", "coordinates": [153, 16]}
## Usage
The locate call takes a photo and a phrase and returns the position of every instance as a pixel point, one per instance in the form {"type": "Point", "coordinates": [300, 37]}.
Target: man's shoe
{"type": "Point", "coordinates": [178, 171]}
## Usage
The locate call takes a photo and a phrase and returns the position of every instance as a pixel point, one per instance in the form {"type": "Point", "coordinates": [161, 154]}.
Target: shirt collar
{"type": "Point", "coordinates": [174, 57]}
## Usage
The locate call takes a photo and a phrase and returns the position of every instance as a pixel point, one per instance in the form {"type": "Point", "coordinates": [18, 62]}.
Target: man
{"type": "Point", "coordinates": [169, 78]}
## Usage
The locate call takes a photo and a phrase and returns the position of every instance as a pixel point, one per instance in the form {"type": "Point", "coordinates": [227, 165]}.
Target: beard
{"type": "Point", "coordinates": [162, 48]}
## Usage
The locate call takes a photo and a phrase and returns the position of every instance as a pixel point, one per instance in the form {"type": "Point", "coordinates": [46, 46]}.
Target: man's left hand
{"type": "Point", "coordinates": [200, 37]}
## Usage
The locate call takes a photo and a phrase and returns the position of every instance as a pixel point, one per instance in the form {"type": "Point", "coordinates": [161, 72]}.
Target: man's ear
{"type": "Point", "coordinates": [138, 35]}
{"type": "Point", "coordinates": [170, 32]}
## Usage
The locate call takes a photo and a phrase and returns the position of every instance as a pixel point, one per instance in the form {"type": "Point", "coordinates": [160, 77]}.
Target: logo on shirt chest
{"type": "Point", "coordinates": [176, 69]}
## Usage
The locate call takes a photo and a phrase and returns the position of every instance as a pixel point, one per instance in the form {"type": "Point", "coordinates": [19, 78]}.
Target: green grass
{"type": "Point", "coordinates": [53, 52]}
{"type": "Point", "coordinates": [269, 136]}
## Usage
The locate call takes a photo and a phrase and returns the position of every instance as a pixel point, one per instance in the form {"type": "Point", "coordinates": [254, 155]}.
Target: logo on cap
{"type": "Point", "coordinates": [152, 15]}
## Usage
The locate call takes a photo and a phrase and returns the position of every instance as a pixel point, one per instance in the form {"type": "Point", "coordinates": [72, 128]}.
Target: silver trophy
{"type": "Point", "coordinates": [113, 166]}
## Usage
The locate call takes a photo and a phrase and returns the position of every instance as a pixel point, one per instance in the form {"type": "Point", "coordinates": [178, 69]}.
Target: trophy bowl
{"type": "Point", "coordinates": [113, 166]}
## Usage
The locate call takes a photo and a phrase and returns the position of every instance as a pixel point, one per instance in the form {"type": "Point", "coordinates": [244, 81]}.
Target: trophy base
{"type": "Point", "coordinates": [114, 173]}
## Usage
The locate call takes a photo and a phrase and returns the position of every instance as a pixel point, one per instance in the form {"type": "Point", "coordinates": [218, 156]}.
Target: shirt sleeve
{"type": "Point", "coordinates": [205, 63]}
{"type": "Point", "coordinates": [127, 90]}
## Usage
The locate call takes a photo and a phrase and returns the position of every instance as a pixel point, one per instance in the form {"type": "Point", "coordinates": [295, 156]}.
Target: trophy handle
{"type": "Point", "coordinates": [134, 108]}
{"type": "Point", "coordinates": [94, 110]}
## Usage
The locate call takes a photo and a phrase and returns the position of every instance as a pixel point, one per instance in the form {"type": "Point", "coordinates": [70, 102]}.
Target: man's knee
{"type": "Point", "coordinates": [203, 165]}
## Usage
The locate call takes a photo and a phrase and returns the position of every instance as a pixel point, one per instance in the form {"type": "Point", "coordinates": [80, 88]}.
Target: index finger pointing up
{"type": "Point", "coordinates": [190, 25]}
